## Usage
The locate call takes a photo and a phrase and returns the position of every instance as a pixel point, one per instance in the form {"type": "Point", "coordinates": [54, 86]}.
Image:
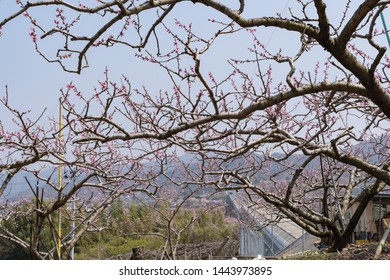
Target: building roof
{"type": "Point", "coordinates": [382, 198]}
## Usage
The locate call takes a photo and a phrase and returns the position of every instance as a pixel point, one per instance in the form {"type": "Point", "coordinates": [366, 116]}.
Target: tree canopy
{"type": "Point", "coordinates": [302, 127]}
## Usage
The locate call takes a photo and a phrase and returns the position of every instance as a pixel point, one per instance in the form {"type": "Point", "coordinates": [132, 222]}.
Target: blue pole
{"type": "Point", "coordinates": [385, 27]}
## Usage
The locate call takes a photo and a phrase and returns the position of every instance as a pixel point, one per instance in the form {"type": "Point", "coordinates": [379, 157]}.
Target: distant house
{"type": "Point", "coordinates": [374, 219]}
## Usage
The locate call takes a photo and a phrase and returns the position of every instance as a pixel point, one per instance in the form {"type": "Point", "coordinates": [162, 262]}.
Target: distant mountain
{"type": "Point", "coordinates": [18, 187]}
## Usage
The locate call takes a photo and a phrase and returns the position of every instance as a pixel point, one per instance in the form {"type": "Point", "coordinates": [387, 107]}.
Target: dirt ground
{"type": "Point", "coordinates": [362, 252]}
{"type": "Point", "coordinates": [352, 252]}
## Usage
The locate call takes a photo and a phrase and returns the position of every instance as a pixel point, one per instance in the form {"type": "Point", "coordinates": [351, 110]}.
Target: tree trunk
{"type": "Point", "coordinates": [341, 242]}
{"type": "Point", "coordinates": [382, 242]}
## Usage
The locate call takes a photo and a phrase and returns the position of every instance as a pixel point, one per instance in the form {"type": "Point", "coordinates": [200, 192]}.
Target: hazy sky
{"type": "Point", "coordinates": [34, 83]}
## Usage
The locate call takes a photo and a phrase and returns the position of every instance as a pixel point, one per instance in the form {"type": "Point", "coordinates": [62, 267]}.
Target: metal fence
{"type": "Point", "coordinates": [251, 243]}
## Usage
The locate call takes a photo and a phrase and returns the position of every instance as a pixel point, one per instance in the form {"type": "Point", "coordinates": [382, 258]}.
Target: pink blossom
{"type": "Point", "coordinates": [212, 77]}
{"type": "Point", "coordinates": [176, 45]}
{"type": "Point", "coordinates": [32, 34]}
{"type": "Point", "coordinates": [79, 94]}
{"type": "Point", "coordinates": [81, 5]}
{"type": "Point", "coordinates": [70, 86]}
{"type": "Point", "coordinates": [103, 85]}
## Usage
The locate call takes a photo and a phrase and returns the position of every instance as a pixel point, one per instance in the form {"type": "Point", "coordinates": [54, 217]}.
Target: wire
{"type": "Point", "coordinates": [273, 29]}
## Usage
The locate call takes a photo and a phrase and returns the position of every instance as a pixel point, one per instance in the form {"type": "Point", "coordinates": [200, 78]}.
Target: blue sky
{"type": "Point", "coordinates": [34, 83]}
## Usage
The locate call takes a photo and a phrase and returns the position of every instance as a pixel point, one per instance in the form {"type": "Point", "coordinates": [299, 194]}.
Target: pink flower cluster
{"type": "Point", "coordinates": [33, 35]}
{"type": "Point", "coordinates": [81, 5]}
{"type": "Point", "coordinates": [65, 56]}
{"type": "Point", "coordinates": [72, 87]}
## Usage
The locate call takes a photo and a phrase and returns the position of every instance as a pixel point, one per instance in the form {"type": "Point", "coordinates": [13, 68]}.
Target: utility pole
{"type": "Point", "coordinates": [59, 181]}
{"type": "Point", "coordinates": [72, 228]}
{"type": "Point", "coordinates": [272, 236]}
